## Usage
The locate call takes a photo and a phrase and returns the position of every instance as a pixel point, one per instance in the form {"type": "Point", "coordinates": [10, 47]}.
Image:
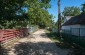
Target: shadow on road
{"type": "Point", "coordinates": [3, 51]}
{"type": "Point", "coordinates": [66, 45]}
{"type": "Point", "coordinates": [34, 49]}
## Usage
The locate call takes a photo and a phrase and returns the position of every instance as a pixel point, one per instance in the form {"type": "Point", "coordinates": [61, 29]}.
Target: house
{"type": "Point", "coordinates": [66, 18]}
{"type": "Point", "coordinates": [75, 25]}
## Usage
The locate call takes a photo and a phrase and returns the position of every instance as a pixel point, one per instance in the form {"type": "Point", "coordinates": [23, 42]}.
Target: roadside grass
{"type": "Point", "coordinates": [55, 38]}
{"type": "Point", "coordinates": [64, 44]}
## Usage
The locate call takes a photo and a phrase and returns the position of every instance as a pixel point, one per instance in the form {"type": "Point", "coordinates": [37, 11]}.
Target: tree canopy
{"type": "Point", "coordinates": [13, 13]}
{"type": "Point", "coordinates": [9, 10]}
{"type": "Point", "coordinates": [38, 13]}
{"type": "Point", "coordinates": [83, 8]}
{"type": "Point", "coordinates": [71, 11]}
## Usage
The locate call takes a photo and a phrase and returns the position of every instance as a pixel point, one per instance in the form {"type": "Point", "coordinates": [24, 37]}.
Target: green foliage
{"type": "Point", "coordinates": [8, 8]}
{"type": "Point", "coordinates": [71, 11]}
{"type": "Point", "coordinates": [8, 14]}
{"type": "Point", "coordinates": [53, 36]}
{"type": "Point", "coordinates": [83, 8]}
{"type": "Point", "coordinates": [13, 15]}
{"type": "Point", "coordinates": [37, 12]}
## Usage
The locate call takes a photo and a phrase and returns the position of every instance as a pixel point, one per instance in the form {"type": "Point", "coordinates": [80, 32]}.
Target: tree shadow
{"type": "Point", "coordinates": [58, 41]}
{"type": "Point", "coordinates": [66, 45]}
{"type": "Point", "coordinates": [43, 35]}
{"type": "Point", "coordinates": [41, 48]}
{"type": "Point", "coordinates": [53, 35]}
{"type": "Point", "coordinates": [3, 51]}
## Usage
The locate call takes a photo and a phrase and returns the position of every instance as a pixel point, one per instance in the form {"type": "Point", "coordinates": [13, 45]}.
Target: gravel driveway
{"type": "Point", "coordinates": [37, 44]}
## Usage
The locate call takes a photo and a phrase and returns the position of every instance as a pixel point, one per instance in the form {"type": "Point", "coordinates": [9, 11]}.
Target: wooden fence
{"type": "Point", "coordinates": [9, 34]}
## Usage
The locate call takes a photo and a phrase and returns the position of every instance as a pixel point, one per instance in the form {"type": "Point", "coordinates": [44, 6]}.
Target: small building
{"type": "Point", "coordinates": [75, 25]}
{"type": "Point", "coordinates": [66, 18]}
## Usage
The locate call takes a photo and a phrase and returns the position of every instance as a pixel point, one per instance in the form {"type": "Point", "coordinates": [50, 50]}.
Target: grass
{"type": "Point", "coordinates": [64, 44]}
{"type": "Point", "coordinates": [53, 36]}
{"type": "Point", "coordinates": [60, 43]}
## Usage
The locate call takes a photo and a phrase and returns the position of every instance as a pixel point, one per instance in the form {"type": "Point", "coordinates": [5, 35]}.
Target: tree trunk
{"type": "Point", "coordinates": [59, 18]}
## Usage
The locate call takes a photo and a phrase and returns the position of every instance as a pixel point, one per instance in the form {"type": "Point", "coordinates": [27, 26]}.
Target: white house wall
{"type": "Point", "coordinates": [75, 29]}
{"type": "Point", "coordinates": [68, 27]}
{"type": "Point", "coordinates": [66, 18]}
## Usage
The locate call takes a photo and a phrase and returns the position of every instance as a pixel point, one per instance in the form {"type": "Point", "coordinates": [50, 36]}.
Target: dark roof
{"type": "Point", "coordinates": [79, 19]}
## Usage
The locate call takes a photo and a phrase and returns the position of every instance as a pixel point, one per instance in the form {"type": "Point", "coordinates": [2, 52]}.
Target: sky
{"type": "Point", "coordinates": [64, 3]}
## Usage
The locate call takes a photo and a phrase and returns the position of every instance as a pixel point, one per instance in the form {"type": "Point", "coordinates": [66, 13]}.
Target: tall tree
{"type": "Point", "coordinates": [8, 8]}
{"type": "Point", "coordinates": [83, 8]}
{"type": "Point", "coordinates": [71, 11]}
{"type": "Point", "coordinates": [38, 13]}
{"type": "Point", "coordinates": [8, 12]}
{"type": "Point", "coordinates": [12, 13]}
{"type": "Point", "coordinates": [59, 18]}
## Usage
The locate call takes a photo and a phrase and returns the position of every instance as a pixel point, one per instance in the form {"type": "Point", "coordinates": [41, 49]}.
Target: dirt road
{"type": "Point", "coordinates": [37, 44]}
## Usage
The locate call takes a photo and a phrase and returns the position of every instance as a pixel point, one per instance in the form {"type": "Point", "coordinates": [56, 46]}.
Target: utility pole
{"type": "Point", "coordinates": [59, 18]}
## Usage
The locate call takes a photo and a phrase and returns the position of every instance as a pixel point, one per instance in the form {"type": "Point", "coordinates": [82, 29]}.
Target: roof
{"type": "Point", "coordinates": [67, 17]}
{"type": "Point", "coordinates": [79, 19]}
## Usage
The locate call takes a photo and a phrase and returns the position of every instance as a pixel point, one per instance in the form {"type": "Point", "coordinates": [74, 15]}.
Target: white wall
{"type": "Point", "coordinates": [75, 29]}
{"type": "Point", "coordinates": [69, 27]}
{"type": "Point", "coordinates": [66, 18]}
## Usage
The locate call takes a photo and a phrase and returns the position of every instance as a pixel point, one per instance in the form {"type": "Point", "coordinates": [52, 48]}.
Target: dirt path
{"type": "Point", "coordinates": [37, 44]}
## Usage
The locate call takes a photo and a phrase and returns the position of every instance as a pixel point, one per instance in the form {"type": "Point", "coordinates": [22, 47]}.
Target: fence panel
{"type": "Point", "coordinates": [75, 35]}
{"type": "Point", "coordinates": [75, 31]}
{"type": "Point", "coordinates": [82, 31]}
{"type": "Point", "coordinates": [9, 34]}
